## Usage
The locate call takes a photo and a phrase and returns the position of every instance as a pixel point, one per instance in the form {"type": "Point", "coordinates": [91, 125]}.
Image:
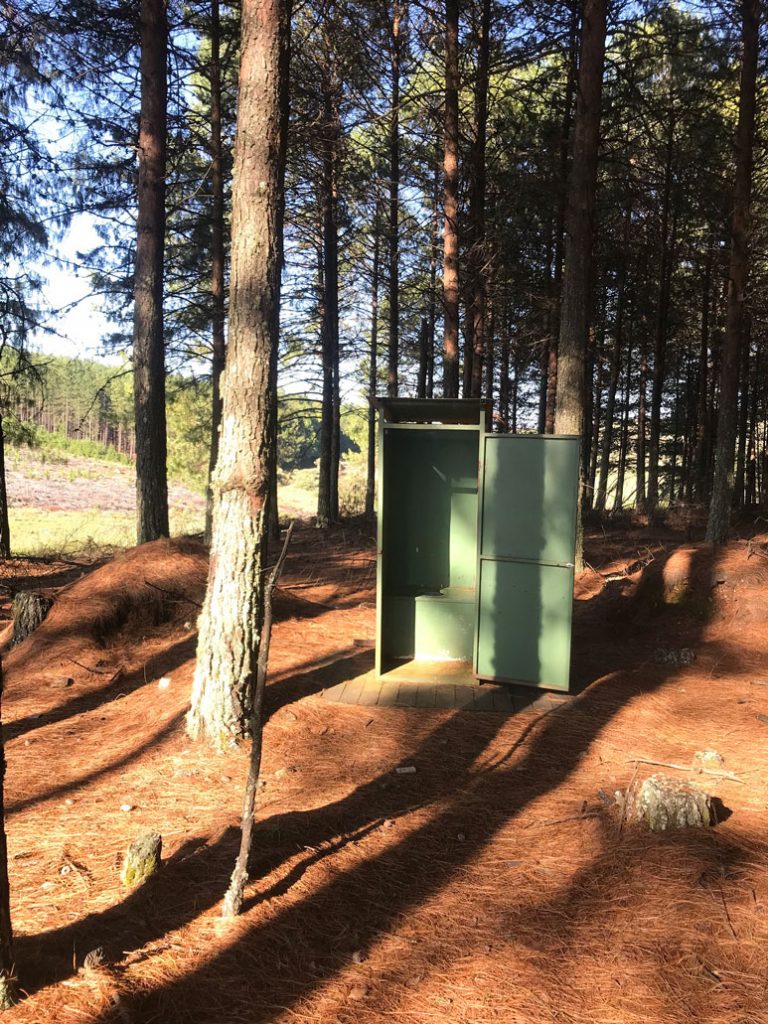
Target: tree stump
{"type": "Point", "coordinates": [142, 859]}
{"type": "Point", "coordinates": [28, 610]}
{"type": "Point", "coordinates": [663, 804]}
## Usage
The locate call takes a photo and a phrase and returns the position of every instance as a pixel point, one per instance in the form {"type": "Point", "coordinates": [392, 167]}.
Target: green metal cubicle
{"type": "Point", "coordinates": [476, 536]}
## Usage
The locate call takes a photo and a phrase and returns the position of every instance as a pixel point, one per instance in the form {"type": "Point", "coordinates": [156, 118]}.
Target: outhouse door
{"type": "Point", "coordinates": [526, 545]}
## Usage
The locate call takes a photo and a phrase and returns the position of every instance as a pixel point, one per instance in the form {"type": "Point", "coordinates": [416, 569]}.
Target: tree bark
{"type": "Point", "coordinates": [231, 620]}
{"type": "Point", "coordinates": [614, 372]}
{"type": "Point", "coordinates": [592, 438]}
{"type": "Point", "coordinates": [718, 523]}
{"type": "Point", "coordinates": [5, 526]}
{"type": "Point", "coordinates": [8, 984]}
{"type": "Point", "coordinates": [751, 469]}
{"type": "Point", "coordinates": [662, 317]}
{"type": "Point", "coordinates": [575, 304]}
{"type": "Point", "coordinates": [370, 482]}
{"type": "Point", "coordinates": [477, 339]}
{"type": "Point", "coordinates": [504, 378]}
{"type": "Point", "coordinates": [621, 468]}
{"type": "Point", "coordinates": [743, 404]}
{"type": "Point", "coordinates": [218, 341]}
{"type": "Point", "coordinates": [642, 409]}
{"type": "Point", "coordinates": [555, 296]}
{"type": "Point", "coordinates": [433, 261]}
{"type": "Point", "coordinates": [702, 406]}
{"type": "Point", "coordinates": [328, 490]}
{"type": "Point", "coordinates": [451, 230]}
{"type": "Point", "coordinates": [148, 343]}
{"type": "Point", "coordinates": [393, 352]}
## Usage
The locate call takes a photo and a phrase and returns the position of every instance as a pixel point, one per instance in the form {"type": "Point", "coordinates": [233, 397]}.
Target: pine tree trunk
{"type": "Point", "coordinates": [597, 411]}
{"type": "Point", "coordinates": [751, 471]}
{"type": "Point", "coordinates": [719, 520]}
{"type": "Point", "coordinates": [743, 402]}
{"type": "Point", "coordinates": [370, 482]}
{"type": "Point", "coordinates": [702, 405]}
{"type": "Point", "coordinates": [451, 231]}
{"type": "Point", "coordinates": [8, 984]}
{"type": "Point", "coordinates": [662, 317]}
{"type": "Point", "coordinates": [477, 336]}
{"type": "Point", "coordinates": [5, 527]}
{"type": "Point", "coordinates": [504, 379]}
{"type": "Point", "coordinates": [393, 351]}
{"type": "Point", "coordinates": [642, 408]}
{"type": "Point", "coordinates": [560, 228]}
{"type": "Point", "coordinates": [490, 340]}
{"type": "Point", "coordinates": [28, 611]}
{"type": "Point", "coordinates": [148, 344]}
{"type": "Point", "coordinates": [327, 502]}
{"type": "Point", "coordinates": [230, 623]}
{"type": "Point", "coordinates": [614, 373]}
{"type": "Point", "coordinates": [575, 304]}
{"type": "Point", "coordinates": [433, 261]}
{"type": "Point", "coordinates": [549, 328]}
{"type": "Point", "coordinates": [515, 390]}
{"type": "Point", "coordinates": [621, 468]}
{"type": "Point", "coordinates": [218, 341]}
{"type": "Point", "coordinates": [421, 373]}
{"type": "Point", "coordinates": [273, 510]}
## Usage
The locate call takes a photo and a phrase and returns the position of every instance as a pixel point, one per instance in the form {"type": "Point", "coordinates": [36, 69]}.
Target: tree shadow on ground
{"type": "Point", "coordinates": [120, 685]}
{"type": "Point", "coordinates": [305, 944]}
{"type": "Point", "coordinates": [72, 785]}
{"type": "Point", "coordinates": [318, 675]}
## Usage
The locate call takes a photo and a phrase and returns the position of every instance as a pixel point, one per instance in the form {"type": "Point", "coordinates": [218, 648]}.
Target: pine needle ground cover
{"type": "Point", "coordinates": [495, 883]}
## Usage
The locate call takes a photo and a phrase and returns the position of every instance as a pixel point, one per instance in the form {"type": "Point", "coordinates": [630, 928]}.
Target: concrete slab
{"type": "Point", "coordinates": [406, 697]}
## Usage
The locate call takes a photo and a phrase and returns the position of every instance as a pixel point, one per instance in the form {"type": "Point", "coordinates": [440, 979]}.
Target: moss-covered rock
{"type": "Point", "coordinates": [142, 859]}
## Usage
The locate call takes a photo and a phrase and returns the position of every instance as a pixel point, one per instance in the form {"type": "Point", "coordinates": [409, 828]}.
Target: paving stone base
{"type": "Point", "coordinates": [368, 690]}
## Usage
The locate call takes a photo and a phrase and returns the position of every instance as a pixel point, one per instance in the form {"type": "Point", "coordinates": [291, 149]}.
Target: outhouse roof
{"type": "Point", "coordinates": [433, 410]}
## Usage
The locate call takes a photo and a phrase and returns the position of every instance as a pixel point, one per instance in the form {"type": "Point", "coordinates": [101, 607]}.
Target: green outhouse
{"type": "Point", "coordinates": [476, 543]}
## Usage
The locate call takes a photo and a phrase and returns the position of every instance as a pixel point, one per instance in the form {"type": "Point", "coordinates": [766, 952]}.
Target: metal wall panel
{"type": "Point", "coordinates": [527, 534]}
{"type": "Point", "coordinates": [524, 632]}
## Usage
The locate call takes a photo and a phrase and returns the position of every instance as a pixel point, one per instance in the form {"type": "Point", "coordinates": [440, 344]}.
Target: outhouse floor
{"type": "Point", "coordinates": [438, 684]}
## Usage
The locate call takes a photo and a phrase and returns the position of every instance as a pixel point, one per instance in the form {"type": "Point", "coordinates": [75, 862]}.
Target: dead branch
{"type": "Point", "coordinates": [174, 595]}
{"type": "Point", "coordinates": [233, 900]}
{"type": "Point", "coordinates": [686, 768]}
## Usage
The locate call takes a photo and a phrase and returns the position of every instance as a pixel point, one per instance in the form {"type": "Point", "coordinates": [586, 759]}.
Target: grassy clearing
{"type": "Point", "coordinates": [297, 491]}
{"type": "Point", "coordinates": [39, 532]}
{"type": "Point", "coordinates": [77, 503]}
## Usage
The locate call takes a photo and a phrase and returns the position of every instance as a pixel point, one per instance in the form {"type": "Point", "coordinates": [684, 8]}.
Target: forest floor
{"type": "Point", "coordinates": [493, 884]}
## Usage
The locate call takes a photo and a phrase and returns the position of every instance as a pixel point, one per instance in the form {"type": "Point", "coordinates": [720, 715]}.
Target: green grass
{"type": "Point", "coordinates": [51, 446]}
{"type": "Point", "coordinates": [39, 532]}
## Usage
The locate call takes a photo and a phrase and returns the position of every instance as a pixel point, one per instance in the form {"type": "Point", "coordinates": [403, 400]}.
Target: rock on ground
{"type": "Point", "coordinates": [663, 804]}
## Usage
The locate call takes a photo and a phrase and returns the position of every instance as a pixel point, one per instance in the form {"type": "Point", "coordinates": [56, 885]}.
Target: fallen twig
{"type": "Point", "coordinates": [686, 768]}
{"type": "Point", "coordinates": [562, 821]}
{"type": "Point", "coordinates": [727, 915]}
{"type": "Point", "coordinates": [304, 600]}
{"type": "Point", "coordinates": [96, 671]}
{"type": "Point", "coordinates": [174, 594]}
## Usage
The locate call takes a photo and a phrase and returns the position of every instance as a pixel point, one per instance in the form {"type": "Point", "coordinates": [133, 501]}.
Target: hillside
{"type": "Point", "coordinates": [63, 503]}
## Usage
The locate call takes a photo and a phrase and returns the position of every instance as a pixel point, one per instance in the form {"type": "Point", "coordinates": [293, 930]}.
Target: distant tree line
{"type": "Point", "coordinates": [441, 158]}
